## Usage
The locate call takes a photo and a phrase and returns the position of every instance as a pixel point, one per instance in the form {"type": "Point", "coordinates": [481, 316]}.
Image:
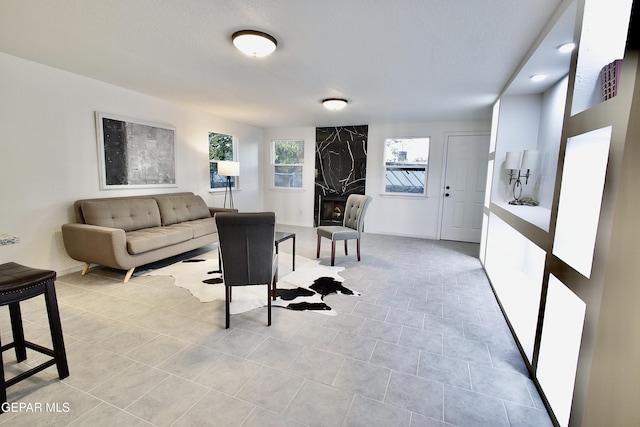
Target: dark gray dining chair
{"type": "Point", "coordinates": [246, 244]}
{"type": "Point", "coordinates": [351, 228]}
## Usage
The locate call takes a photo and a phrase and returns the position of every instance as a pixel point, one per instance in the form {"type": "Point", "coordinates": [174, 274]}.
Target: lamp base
{"type": "Point", "coordinates": [527, 201]}
{"type": "Point", "coordinates": [228, 190]}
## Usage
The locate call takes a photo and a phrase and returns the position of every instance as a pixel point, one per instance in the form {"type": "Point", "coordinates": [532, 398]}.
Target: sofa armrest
{"type": "Point", "coordinates": [213, 211]}
{"type": "Point", "coordinates": [99, 245]}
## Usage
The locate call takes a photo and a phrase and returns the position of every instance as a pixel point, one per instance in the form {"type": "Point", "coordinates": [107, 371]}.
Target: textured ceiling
{"type": "Point", "coordinates": [395, 61]}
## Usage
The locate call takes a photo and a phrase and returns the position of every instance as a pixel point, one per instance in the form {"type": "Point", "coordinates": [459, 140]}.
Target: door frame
{"type": "Point", "coordinates": [443, 176]}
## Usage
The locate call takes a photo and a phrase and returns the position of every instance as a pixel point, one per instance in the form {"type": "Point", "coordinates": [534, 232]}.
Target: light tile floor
{"type": "Point", "coordinates": [425, 345]}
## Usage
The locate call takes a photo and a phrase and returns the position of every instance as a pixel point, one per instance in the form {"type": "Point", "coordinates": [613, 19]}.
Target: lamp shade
{"type": "Point", "coordinates": [254, 43]}
{"type": "Point", "coordinates": [529, 159]}
{"type": "Point", "coordinates": [228, 168]}
{"type": "Point", "coordinates": [513, 160]}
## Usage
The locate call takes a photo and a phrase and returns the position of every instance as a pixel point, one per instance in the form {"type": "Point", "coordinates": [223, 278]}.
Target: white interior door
{"type": "Point", "coordinates": [464, 187]}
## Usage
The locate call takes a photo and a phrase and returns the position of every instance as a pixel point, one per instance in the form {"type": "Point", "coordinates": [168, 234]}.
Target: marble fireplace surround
{"type": "Point", "coordinates": [341, 170]}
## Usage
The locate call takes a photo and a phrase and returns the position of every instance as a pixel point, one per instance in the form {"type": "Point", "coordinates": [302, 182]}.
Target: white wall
{"type": "Point", "coordinates": [517, 131]}
{"type": "Point", "coordinates": [49, 154]}
{"type": "Point", "coordinates": [397, 215]}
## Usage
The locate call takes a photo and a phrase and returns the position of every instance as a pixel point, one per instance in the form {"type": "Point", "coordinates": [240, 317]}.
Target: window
{"type": "Point", "coordinates": [221, 147]}
{"type": "Point", "coordinates": [405, 162]}
{"type": "Point", "coordinates": [288, 158]}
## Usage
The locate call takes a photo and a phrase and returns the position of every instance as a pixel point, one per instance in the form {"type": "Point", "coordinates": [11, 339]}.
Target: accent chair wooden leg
{"type": "Point", "coordinates": [358, 247]}
{"type": "Point", "coordinates": [333, 252]}
{"type": "Point", "coordinates": [346, 252]}
{"type": "Point", "coordinates": [128, 275]}
{"type": "Point", "coordinates": [85, 268]}
{"type": "Point", "coordinates": [318, 250]}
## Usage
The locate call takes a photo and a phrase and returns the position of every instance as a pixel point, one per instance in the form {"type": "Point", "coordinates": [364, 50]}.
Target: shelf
{"type": "Point", "coordinates": [515, 266]}
{"type": "Point", "coordinates": [602, 41]}
{"type": "Point", "coordinates": [536, 215]}
{"type": "Point", "coordinates": [560, 347]}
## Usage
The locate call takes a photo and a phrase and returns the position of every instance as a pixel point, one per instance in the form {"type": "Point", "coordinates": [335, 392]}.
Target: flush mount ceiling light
{"type": "Point", "coordinates": [254, 43]}
{"type": "Point", "coordinates": [538, 77]}
{"type": "Point", "coordinates": [567, 47]}
{"type": "Point", "coordinates": [334, 104]}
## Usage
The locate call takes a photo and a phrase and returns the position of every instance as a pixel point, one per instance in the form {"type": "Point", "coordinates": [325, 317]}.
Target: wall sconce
{"type": "Point", "coordinates": [228, 169]}
{"type": "Point", "coordinates": [517, 161]}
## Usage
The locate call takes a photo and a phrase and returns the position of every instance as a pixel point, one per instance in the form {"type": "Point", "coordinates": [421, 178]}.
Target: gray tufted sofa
{"type": "Point", "coordinates": [127, 232]}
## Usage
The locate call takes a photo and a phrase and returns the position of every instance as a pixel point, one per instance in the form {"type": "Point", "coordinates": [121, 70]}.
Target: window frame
{"type": "Point", "coordinates": [234, 155]}
{"type": "Point", "coordinates": [406, 167]}
{"type": "Point", "coordinates": [274, 165]}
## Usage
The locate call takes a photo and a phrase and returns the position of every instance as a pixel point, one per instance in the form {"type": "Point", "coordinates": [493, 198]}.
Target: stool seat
{"type": "Point", "coordinates": [19, 283]}
{"type": "Point", "coordinates": [16, 280]}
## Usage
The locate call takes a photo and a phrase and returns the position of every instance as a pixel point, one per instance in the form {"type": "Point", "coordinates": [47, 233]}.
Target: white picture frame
{"type": "Point", "coordinates": [135, 153]}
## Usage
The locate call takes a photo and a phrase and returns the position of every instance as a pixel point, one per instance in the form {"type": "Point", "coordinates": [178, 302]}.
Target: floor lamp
{"type": "Point", "coordinates": [228, 169]}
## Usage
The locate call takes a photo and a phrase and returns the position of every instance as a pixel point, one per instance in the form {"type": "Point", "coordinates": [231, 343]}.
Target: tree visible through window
{"type": "Point", "coordinates": [406, 161]}
{"type": "Point", "coordinates": [221, 147]}
{"type": "Point", "coordinates": [288, 158]}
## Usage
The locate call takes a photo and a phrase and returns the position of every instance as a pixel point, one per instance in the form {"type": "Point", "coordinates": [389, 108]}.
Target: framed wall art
{"type": "Point", "coordinates": [135, 153]}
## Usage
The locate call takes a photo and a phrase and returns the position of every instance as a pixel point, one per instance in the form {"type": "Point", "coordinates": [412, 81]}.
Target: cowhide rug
{"type": "Point", "coordinates": [302, 289]}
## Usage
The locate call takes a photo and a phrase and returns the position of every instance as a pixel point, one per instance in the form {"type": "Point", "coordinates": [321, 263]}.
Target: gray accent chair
{"type": "Point", "coordinates": [247, 242]}
{"type": "Point", "coordinates": [351, 228]}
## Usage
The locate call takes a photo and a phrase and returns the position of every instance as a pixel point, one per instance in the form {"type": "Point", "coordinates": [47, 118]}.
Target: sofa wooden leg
{"type": "Point", "coordinates": [318, 248]}
{"type": "Point", "coordinates": [85, 268]}
{"type": "Point", "coordinates": [128, 275]}
{"type": "Point", "coordinates": [346, 252]}
{"type": "Point", "coordinates": [358, 248]}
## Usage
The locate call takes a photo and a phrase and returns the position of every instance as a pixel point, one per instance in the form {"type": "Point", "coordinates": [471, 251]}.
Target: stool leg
{"type": "Point", "coordinates": [18, 331]}
{"type": "Point", "coordinates": [56, 331]}
{"type": "Point", "coordinates": [3, 389]}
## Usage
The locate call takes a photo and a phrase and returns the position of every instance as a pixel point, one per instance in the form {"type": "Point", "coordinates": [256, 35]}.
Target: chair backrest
{"type": "Point", "coordinates": [247, 243]}
{"type": "Point", "coordinates": [354, 211]}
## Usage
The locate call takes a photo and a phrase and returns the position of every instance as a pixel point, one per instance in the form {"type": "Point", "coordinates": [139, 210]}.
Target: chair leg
{"type": "Point", "coordinates": [226, 304]}
{"type": "Point", "coordinates": [333, 252]}
{"type": "Point", "coordinates": [3, 389]}
{"type": "Point", "coordinates": [18, 331]}
{"type": "Point", "coordinates": [358, 247]}
{"type": "Point", "coordinates": [269, 304]}
{"type": "Point", "coordinates": [275, 283]}
{"type": "Point", "coordinates": [56, 331]}
{"type": "Point", "coordinates": [318, 250]}
{"type": "Point", "coordinates": [346, 252]}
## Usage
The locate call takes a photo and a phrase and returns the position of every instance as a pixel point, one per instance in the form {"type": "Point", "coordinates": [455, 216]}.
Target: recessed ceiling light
{"type": "Point", "coordinates": [567, 47]}
{"type": "Point", "coordinates": [334, 104]}
{"type": "Point", "coordinates": [254, 43]}
{"type": "Point", "coordinates": [538, 77]}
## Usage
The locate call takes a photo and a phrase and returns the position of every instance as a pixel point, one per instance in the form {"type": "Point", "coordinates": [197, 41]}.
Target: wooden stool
{"type": "Point", "coordinates": [19, 283]}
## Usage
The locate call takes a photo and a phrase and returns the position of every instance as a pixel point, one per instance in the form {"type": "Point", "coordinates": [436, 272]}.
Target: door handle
{"type": "Point", "coordinates": [447, 187]}
{"type": "Point", "coordinates": [446, 194]}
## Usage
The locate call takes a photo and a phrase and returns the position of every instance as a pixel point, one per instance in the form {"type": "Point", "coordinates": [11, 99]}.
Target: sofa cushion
{"type": "Point", "coordinates": [132, 214]}
{"type": "Point", "coordinates": [176, 209]}
{"type": "Point", "coordinates": [201, 227]}
{"type": "Point", "coordinates": [139, 241]}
